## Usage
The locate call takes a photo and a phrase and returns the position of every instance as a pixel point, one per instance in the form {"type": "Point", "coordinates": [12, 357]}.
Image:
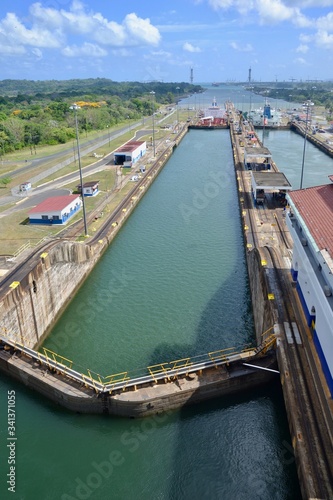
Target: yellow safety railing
{"type": "Point", "coordinates": [248, 349]}
{"type": "Point", "coordinates": [91, 379]}
{"type": "Point", "coordinates": [266, 332]}
{"type": "Point", "coordinates": [268, 343]}
{"type": "Point", "coordinates": [161, 370]}
{"type": "Point", "coordinates": [116, 378]}
{"type": "Point", "coordinates": [57, 358]}
{"type": "Point", "coordinates": [166, 371]}
{"type": "Point", "coordinates": [97, 375]}
{"type": "Point", "coordinates": [180, 364]}
{"type": "Point", "coordinates": [220, 355]}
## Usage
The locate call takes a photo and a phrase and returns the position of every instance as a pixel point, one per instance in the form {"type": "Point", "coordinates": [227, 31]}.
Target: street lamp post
{"type": "Point", "coordinates": [307, 104]}
{"type": "Point", "coordinates": [250, 89]}
{"type": "Point", "coordinates": [264, 120]}
{"type": "Point", "coordinates": [75, 107]}
{"type": "Point", "coordinates": [178, 89]}
{"type": "Point", "coordinates": [152, 93]}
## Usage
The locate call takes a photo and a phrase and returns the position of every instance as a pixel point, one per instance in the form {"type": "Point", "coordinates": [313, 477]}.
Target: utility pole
{"type": "Point", "coordinates": [75, 107]}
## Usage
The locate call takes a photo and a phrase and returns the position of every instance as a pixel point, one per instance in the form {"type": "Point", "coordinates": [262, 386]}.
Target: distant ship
{"type": "Point", "coordinates": [214, 111]}
{"type": "Point", "coordinates": [214, 116]}
{"type": "Point", "coordinates": [214, 105]}
{"type": "Point", "coordinates": [265, 117]}
{"type": "Point", "coordinates": [215, 84]}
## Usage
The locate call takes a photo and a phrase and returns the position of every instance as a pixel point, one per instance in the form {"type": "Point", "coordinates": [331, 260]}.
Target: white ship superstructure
{"type": "Point", "coordinates": [265, 117]}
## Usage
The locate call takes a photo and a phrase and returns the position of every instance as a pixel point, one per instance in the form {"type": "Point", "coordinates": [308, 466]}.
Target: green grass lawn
{"type": "Point", "coordinates": [15, 230]}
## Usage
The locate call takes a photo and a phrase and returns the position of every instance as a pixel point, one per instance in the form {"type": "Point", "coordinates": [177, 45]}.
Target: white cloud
{"type": "Point", "coordinates": [142, 30]}
{"type": "Point", "coordinates": [268, 11]}
{"type": "Point", "coordinates": [302, 48]}
{"type": "Point", "coordinates": [87, 49]}
{"type": "Point", "coordinates": [306, 38]}
{"type": "Point", "coordinates": [37, 53]}
{"type": "Point", "coordinates": [309, 3]}
{"type": "Point", "coordinates": [188, 47]}
{"type": "Point", "coordinates": [300, 60]}
{"type": "Point", "coordinates": [122, 52]}
{"type": "Point", "coordinates": [324, 39]}
{"type": "Point", "coordinates": [159, 53]}
{"type": "Point", "coordinates": [47, 17]}
{"type": "Point", "coordinates": [274, 10]}
{"type": "Point", "coordinates": [241, 48]}
{"type": "Point", "coordinates": [222, 4]}
{"type": "Point", "coordinates": [54, 29]}
{"type": "Point", "coordinates": [326, 22]}
{"type": "Point", "coordinates": [10, 50]}
{"type": "Point", "coordinates": [17, 34]}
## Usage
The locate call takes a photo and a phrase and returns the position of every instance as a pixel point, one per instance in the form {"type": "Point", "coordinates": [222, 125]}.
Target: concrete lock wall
{"type": "Point", "coordinates": [28, 310]}
{"type": "Point", "coordinates": [263, 312]}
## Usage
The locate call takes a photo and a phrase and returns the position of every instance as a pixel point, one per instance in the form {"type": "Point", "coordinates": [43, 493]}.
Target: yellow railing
{"type": "Point", "coordinates": [180, 364]}
{"type": "Point", "coordinates": [161, 370]}
{"type": "Point", "coordinates": [167, 371]}
{"type": "Point", "coordinates": [57, 358]}
{"type": "Point", "coordinates": [116, 378]}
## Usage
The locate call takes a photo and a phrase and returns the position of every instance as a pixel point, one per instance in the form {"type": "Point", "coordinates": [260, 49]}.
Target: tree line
{"type": "Point", "coordinates": [38, 112]}
{"type": "Point", "coordinates": [320, 93]}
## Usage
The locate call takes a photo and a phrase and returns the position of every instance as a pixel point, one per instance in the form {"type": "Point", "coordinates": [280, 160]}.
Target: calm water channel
{"type": "Point", "coordinates": [173, 283]}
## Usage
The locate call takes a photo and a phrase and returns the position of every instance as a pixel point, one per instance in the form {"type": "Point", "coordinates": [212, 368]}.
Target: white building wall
{"type": "Point", "coordinates": [52, 213]}
{"type": "Point", "coordinates": [59, 213]}
{"type": "Point", "coordinates": [139, 152]}
{"type": "Point", "coordinates": [313, 292]}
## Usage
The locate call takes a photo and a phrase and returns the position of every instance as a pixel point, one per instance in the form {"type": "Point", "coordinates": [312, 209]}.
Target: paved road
{"type": "Point", "coordinates": [32, 163]}
{"type": "Point", "coordinates": [54, 188]}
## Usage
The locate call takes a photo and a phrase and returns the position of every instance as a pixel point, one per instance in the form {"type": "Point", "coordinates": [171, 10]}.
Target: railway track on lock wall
{"type": "Point", "coordinates": [20, 271]}
{"type": "Point", "coordinates": [317, 439]}
{"type": "Point", "coordinates": [308, 390]}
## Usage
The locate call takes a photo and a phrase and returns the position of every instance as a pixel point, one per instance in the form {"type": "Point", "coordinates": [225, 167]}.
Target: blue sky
{"type": "Point", "coordinates": [148, 40]}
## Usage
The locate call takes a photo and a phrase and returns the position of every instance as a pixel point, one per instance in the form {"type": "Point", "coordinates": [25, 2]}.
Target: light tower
{"type": "Point", "coordinates": [250, 75]}
{"type": "Point", "coordinates": [191, 76]}
{"type": "Point", "coordinates": [307, 104]}
{"type": "Point", "coordinates": [75, 107]}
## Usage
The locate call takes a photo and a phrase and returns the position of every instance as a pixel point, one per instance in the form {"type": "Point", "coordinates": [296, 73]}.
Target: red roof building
{"type": "Point", "coordinates": [55, 210]}
{"type": "Point", "coordinates": [315, 206]}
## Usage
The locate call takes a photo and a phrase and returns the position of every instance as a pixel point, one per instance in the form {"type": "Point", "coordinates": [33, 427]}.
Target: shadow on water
{"type": "Point", "coordinates": [217, 329]}
{"type": "Point", "coordinates": [237, 446]}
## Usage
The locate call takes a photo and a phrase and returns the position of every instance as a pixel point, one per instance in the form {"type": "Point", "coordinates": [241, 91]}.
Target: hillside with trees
{"type": "Point", "coordinates": [38, 112]}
